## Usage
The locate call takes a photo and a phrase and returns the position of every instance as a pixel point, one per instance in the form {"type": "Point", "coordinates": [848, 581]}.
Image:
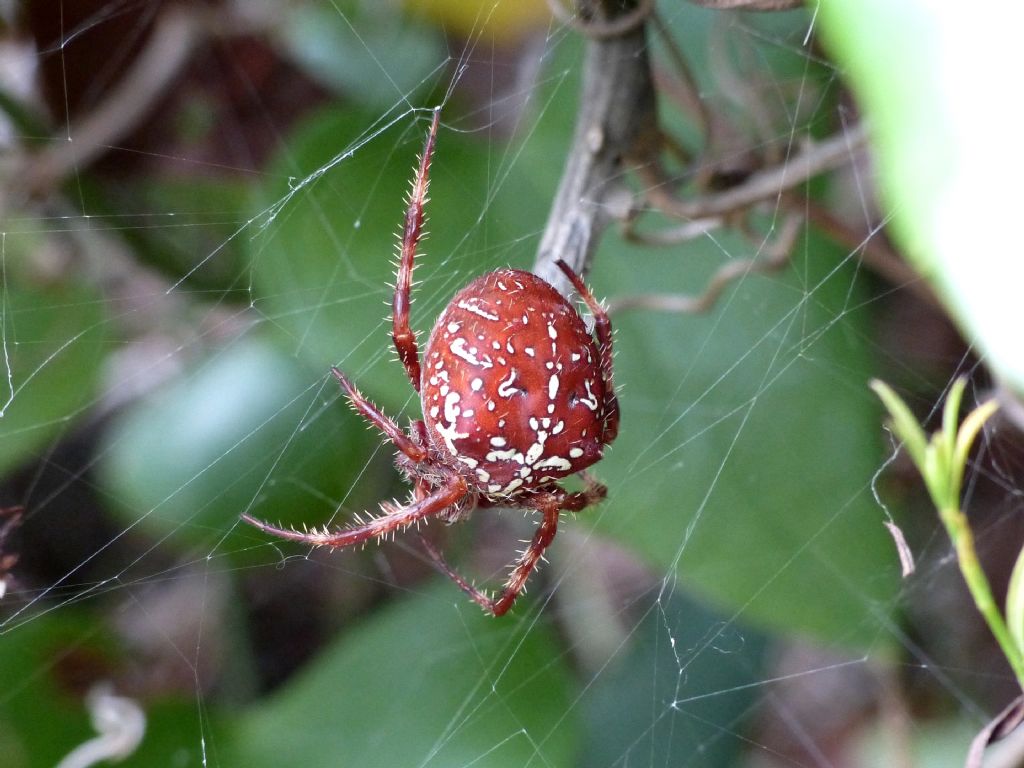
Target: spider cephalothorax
{"type": "Point", "coordinates": [516, 394]}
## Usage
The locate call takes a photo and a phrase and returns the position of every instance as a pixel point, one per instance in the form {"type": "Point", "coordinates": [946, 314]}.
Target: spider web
{"type": "Point", "coordinates": [169, 311]}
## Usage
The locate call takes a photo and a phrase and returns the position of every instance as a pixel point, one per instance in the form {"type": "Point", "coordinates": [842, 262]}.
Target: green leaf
{"type": "Point", "coordinates": [1015, 602]}
{"type": "Point", "coordinates": [429, 681]}
{"type": "Point", "coordinates": [937, 477]}
{"type": "Point", "coordinates": [201, 245]}
{"type": "Point", "coordinates": [53, 331]}
{"type": "Point", "coordinates": [904, 424]}
{"type": "Point", "coordinates": [248, 430]}
{"type": "Point", "coordinates": [47, 663]}
{"type": "Point", "coordinates": [931, 80]}
{"type": "Point", "coordinates": [323, 266]}
{"type": "Point", "coordinates": [748, 441]}
{"type": "Point", "coordinates": [702, 670]}
{"type": "Point", "coordinates": [965, 436]}
{"type": "Point", "coordinates": [951, 416]}
{"type": "Point", "coordinates": [372, 55]}
{"type": "Point", "coordinates": [33, 694]}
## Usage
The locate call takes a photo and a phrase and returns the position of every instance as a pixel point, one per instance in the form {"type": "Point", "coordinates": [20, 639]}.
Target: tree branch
{"type": "Point", "coordinates": [825, 155]}
{"type": "Point", "coordinates": [775, 256]}
{"type": "Point", "coordinates": [617, 106]}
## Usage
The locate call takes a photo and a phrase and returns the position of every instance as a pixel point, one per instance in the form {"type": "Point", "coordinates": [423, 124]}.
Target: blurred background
{"type": "Point", "coordinates": [198, 203]}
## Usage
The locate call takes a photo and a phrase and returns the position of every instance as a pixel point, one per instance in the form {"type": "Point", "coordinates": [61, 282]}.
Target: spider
{"type": "Point", "coordinates": [516, 393]}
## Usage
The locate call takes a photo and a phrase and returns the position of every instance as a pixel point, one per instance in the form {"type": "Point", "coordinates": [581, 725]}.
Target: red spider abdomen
{"type": "Point", "coordinates": [511, 385]}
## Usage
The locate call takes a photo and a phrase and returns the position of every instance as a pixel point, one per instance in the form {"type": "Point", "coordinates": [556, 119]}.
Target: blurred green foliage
{"type": "Point", "coordinates": [932, 83]}
{"type": "Point", "coordinates": [52, 341]}
{"type": "Point", "coordinates": [344, 53]}
{"type": "Point", "coordinates": [708, 682]}
{"type": "Point", "coordinates": [429, 680]}
{"type": "Point", "coordinates": [250, 429]}
{"type": "Point", "coordinates": [754, 442]}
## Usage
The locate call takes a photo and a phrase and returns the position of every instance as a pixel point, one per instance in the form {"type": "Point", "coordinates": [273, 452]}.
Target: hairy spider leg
{"type": "Point", "coordinates": [593, 493]}
{"type": "Point", "coordinates": [372, 414]}
{"type": "Point", "coordinates": [499, 606]}
{"type": "Point", "coordinates": [603, 331]}
{"type": "Point", "coordinates": [394, 518]}
{"type": "Point", "coordinates": [550, 505]}
{"type": "Point", "coordinates": [402, 334]}
{"type": "Point", "coordinates": [419, 428]}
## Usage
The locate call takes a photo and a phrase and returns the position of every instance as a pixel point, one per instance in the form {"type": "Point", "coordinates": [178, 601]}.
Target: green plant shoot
{"type": "Point", "coordinates": [941, 462]}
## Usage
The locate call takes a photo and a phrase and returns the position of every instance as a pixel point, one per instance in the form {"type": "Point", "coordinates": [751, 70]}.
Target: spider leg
{"type": "Point", "coordinates": [373, 415]}
{"type": "Point", "coordinates": [550, 506]}
{"type": "Point", "coordinates": [593, 493]}
{"type": "Point", "coordinates": [393, 519]}
{"type": "Point", "coordinates": [402, 334]}
{"type": "Point", "coordinates": [603, 331]}
{"type": "Point", "coordinates": [419, 427]}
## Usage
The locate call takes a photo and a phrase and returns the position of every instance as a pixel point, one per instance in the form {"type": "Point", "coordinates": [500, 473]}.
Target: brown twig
{"type": "Point", "coordinates": [768, 184]}
{"type": "Point", "coordinates": [601, 29]}
{"type": "Point", "coordinates": [681, 233]}
{"type": "Point", "coordinates": [775, 257]}
{"type": "Point", "coordinates": [177, 34]}
{"type": "Point", "coordinates": [617, 105]}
